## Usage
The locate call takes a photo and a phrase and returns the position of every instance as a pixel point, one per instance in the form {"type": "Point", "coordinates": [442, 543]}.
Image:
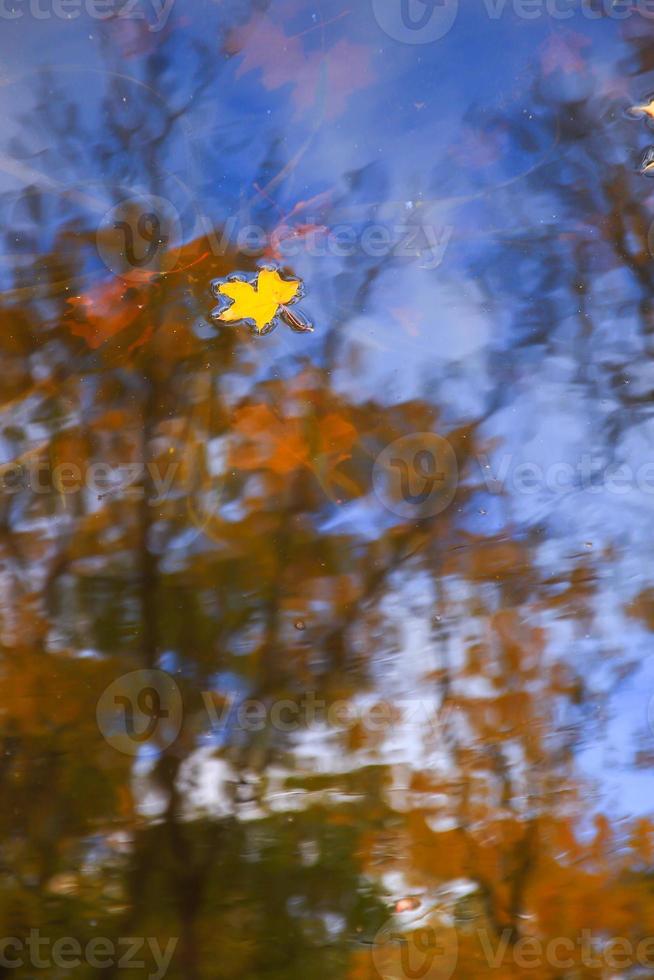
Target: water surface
{"type": "Point", "coordinates": [327, 654]}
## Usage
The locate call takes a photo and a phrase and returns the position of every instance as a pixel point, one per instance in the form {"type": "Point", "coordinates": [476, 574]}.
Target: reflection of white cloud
{"type": "Point", "coordinates": [418, 326]}
{"type": "Point", "coordinates": [204, 782]}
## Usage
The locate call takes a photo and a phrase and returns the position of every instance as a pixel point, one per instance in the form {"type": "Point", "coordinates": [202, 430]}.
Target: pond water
{"type": "Point", "coordinates": [327, 471]}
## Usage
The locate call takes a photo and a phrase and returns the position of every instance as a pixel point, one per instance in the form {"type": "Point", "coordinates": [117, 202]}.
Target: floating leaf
{"type": "Point", "coordinates": [644, 109]}
{"type": "Point", "coordinates": [260, 302]}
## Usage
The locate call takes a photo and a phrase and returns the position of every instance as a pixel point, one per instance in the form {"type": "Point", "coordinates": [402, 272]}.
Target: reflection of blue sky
{"type": "Point", "coordinates": [412, 135]}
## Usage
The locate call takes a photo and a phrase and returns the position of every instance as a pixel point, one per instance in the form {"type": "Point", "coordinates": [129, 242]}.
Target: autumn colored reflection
{"type": "Point", "coordinates": [326, 654]}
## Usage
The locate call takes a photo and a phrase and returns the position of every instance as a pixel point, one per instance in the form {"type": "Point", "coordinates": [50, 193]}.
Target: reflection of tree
{"type": "Point", "coordinates": [112, 574]}
{"type": "Point", "coordinates": [268, 523]}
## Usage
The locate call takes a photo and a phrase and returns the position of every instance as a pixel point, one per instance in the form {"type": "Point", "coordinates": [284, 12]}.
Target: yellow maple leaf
{"type": "Point", "coordinates": [261, 303]}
